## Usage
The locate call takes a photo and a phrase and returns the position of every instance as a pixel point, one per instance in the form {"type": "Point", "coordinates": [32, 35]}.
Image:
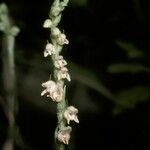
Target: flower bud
{"type": "Point", "coordinates": [49, 50]}
{"type": "Point", "coordinates": [55, 31]}
{"type": "Point", "coordinates": [47, 23]}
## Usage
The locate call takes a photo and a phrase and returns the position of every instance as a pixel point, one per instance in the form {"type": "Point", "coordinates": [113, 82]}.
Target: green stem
{"type": "Point", "coordinates": [61, 107]}
{"type": "Point", "coordinates": [55, 16]}
{"type": "Point", "coordinates": [9, 83]}
{"type": "Point", "coordinates": [9, 79]}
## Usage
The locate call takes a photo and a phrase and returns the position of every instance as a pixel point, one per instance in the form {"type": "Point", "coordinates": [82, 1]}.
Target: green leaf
{"type": "Point", "coordinates": [129, 98]}
{"type": "Point", "coordinates": [89, 79]}
{"type": "Point", "coordinates": [131, 50]}
{"type": "Point", "coordinates": [127, 68]}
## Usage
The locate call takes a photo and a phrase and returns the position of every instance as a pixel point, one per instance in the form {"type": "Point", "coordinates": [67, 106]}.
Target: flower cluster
{"type": "Point", "coordinates": [59, 61]}
{"type": "Point", "coordinates": [55, 89]}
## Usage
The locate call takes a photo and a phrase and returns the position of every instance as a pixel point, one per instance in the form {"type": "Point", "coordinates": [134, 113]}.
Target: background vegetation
{"type": "Point", "coordinates": [109, 63]}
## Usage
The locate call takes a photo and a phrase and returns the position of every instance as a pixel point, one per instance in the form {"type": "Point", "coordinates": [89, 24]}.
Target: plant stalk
{"type": "Point", "coordinates": [9, 76]}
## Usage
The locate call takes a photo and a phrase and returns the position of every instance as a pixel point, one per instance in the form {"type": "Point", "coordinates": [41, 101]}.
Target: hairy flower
{"type": "Point", "coordinates": [60, 62]}
{"type": "Point", "coordinates": [53, 90]}
{"type": "Point", "coordinates": [61, 40]}
{"type": "Point", "coordinates": [64, 135]}
{"type": "Point", "coordinates": [49, 50]}
{"type": "Point", "coordinates": [63, 74]}
{"type": "Point", "coordinates": [71, 114]}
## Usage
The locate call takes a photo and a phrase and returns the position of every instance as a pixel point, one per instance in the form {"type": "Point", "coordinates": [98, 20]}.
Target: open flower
{"type": "Point", "coordinates": [53, 90]}
{"type": "Point", "coordinates": [61, 40]}
{"type": "Point", "coordinates": [64, 135]}
{"type": "Point", "coordinates": [49, 50]}
{"type": "Point", "coordinates": [57, 93]}
{"type": "Point", "coordinates": [63, 74]}
{"type": "Point", "coordinates": [49, 85]}
{"type": "Point", "coordinates": [71, 114]}
{"type": "Point", "coordinates": [60, 62]}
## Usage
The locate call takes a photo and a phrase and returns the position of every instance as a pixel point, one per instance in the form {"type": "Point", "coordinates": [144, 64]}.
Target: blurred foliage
{"type": "Point", "coordinates": [128, 68]}
{"type": "Point", "coordinates": [90, 79]}
{"type": "Point", "coordinates": [129, 98]}
{"type": "Point", "coordinates": [131, 50]}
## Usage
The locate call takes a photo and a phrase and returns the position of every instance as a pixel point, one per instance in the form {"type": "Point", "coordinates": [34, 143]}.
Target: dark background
{"type": "Point", "coordinates": [113, 105]}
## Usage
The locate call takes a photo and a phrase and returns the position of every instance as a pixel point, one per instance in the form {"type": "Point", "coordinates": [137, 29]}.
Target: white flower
{"type": "Point", "coordinates": [49, 85]}
{"type": "Point", "coordinates": [49, 50]}
{"type": "Point", "coordinates": [47, 23]}
{"type": "Point", "coordinates": [57, 93]}
{"type": "Point", "coordinates": [56, 32]}
{"type": "Point", "coordinates": [53, 90]}
{"type": "Point", "coordinates": [63, 74]}
{"type": "Point", "coordinates": [61, 40]}
{"type": "Point", "coordinates": [71, 114]}
{"type": "Point", "coordinates": [60, 62]}
{"type": "Point", "coordinates": [64, 135]}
